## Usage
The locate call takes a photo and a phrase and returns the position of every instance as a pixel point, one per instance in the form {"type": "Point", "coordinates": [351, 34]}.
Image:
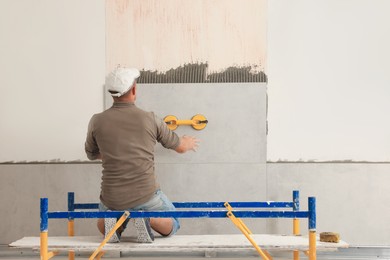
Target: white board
{"type": "Point", "coordinates": [181, 243]}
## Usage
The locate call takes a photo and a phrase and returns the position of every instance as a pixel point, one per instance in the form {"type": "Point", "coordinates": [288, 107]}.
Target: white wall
{"type": "Point", "coordinates": [52, 70]}
{"type": "Point", "coordinates": [328, 88]}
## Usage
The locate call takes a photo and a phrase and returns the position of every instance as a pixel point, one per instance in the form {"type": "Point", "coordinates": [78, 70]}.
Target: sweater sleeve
{"type": "Point", "coordinates": [91, 146]}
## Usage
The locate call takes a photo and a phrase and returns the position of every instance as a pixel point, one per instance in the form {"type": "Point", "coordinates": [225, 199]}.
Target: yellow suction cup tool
{"type": "Point", "coordinates": [197, 122]}
{"type": "Point", "coordinates": [171, 122]}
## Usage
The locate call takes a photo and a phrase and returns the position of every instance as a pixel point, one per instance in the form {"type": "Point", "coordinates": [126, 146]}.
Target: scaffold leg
{"type": "Point", "coordinates": [71, 254]}
{"type": "Point", "coordinates": [296, 231]}
{"type": "Point", "coordinates": [312, 228]}
{"type": "Point", "coordinates": [44, 252]}
{"type": "Point", "coordinates": [244, 229]}
{"type": "Point", "coordinates": [100, 255]}
{"type": "Point", "coordinates": [229, 208]}
{"type": "Point", "coordinates": [312, 245]}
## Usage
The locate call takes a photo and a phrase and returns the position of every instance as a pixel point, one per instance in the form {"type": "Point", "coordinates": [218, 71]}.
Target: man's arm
{"type": "Point", "coordinates": [187, 143]}
{"type": "Point", "coordinates": [91, 147]}
{"type": "Point", "coordinates": [171, 140]}
{"type": "Point", "coordinates": [92, 153]}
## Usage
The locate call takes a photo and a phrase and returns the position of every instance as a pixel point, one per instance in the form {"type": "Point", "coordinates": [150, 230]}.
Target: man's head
{"type": "Point", "coordinates": [121, 80]}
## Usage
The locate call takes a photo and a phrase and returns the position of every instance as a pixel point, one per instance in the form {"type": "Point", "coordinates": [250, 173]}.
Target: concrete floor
{"type": "Point", "coordinates": [170, 258]}
{"type": "Point", "coordinates": [354, 253]}
{"type": "Point", "coordinates": [319, 257]}
{"type": "Point", "coordinates": [142, 258]}
{"type": "Point", "coordinates": [127, 258]}
{"type": "Point", "coordinates": [7, 253]}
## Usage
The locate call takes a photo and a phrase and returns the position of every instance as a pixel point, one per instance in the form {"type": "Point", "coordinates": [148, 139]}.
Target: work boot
{"type": "Point", "coordinates": [144, 231]}
{"type": "Point", "coordinates": [109, 224]}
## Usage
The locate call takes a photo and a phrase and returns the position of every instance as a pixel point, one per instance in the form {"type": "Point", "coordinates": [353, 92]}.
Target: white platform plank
{"type": "Point", "coordinates": [180, 243]}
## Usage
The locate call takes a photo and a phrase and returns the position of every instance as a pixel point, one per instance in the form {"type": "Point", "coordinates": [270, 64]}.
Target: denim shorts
{"type": "Point", "coordinates": [159, 201]}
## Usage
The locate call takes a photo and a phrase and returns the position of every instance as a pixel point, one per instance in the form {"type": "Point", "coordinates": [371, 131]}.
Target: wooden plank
{"type": "Point", "coordinates": [180, 243]}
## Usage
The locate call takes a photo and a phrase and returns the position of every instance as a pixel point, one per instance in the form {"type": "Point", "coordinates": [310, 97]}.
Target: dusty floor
{"type": "Point", "coordinates": [121, 258]}
{"type": "Point", "coordinates": [354, 253]}
{"type": "Point", "coordinates": [20, 254]}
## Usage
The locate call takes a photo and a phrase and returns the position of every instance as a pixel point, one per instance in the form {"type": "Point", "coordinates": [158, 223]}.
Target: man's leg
{"type": "Point", "coordinates": [100, 225]}
{"type": "Point", "coordinates": [163, 226]}
{"type": "Point", "coordinates": [105, 225]}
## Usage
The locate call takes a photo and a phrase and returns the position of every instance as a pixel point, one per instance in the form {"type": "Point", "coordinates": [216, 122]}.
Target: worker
{"type": "Point", "coordinates": [124, 137]}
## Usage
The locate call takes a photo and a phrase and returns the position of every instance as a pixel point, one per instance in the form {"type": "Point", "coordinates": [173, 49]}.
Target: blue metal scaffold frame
{"type": "Point", "coordinates": [193, 210]}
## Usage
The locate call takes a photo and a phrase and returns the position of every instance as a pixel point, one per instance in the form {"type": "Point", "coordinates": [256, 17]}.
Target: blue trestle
{"type": "Point", "coordinates": [179, 214]}
{"type": "Point", "coordinates": [203, 210]}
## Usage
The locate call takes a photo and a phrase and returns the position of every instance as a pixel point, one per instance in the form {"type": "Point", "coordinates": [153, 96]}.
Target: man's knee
{"type": "Point", "coordinates": [163, 226]}
{"type": "Point", "coordinates": [100, 225]}
{"type": "Point", "coordinates": [174, 227]}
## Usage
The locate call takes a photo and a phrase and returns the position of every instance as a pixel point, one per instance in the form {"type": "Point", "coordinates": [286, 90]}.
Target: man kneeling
{"type": "Point", "coordinates": [123, 137]}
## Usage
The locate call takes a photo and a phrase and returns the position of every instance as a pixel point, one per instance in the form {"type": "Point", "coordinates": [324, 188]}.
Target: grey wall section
{"type": "Point", "coordinates": [21, 187]}
{"type": "Point", "coordinates": [352, 198]}
{"type": "Point", "coordinates": [213, 182]}
{"type": "Point", "coordinates": [234, 111]}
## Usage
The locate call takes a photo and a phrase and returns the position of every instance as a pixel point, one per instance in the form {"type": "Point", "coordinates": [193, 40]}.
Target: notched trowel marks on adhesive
{"type": "Point", "coordinates": [188, 73]}
{"type": "Point", "coordinates": [238, 74]}
{"type": "Point", "coordinates": [198, 73]}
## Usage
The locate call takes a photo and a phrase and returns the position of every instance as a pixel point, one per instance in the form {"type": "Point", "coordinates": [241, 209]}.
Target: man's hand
{"type": "Point", "coordinates": [187, 143]}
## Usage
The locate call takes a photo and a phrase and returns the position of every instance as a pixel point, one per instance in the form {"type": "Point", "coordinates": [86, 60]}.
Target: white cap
{"type": "Point", "coordinates": [120, 80]}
